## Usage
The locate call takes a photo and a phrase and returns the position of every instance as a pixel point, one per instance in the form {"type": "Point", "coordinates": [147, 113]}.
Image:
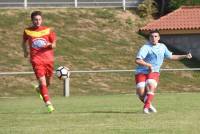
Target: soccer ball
{"type": "Point", "coordinates": [62, 72]}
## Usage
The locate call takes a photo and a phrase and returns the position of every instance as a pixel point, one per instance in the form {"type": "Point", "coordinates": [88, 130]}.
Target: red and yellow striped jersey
{"type": "Point", "coordinates": [37, 39]}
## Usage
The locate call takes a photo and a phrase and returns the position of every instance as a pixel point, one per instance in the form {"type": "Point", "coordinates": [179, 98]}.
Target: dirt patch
{"type": "Point", "coordinates": [126, 15]}
{"type": "Point", "coordinates": [86, 24]}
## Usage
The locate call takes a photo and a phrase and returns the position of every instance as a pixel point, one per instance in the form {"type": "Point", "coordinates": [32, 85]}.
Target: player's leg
{"type": "Point", "coordinates": [49, 73]}
{"type": "Point", "coordinates": [44, 89]}
{"type": "Point", "coordinates": [151, 85]}
{"type": "Point", "coordinates": [140, 86]}
{"type": "Point", "coordinates": [49, 78]}
{"type": "Point", "coordinates": [45, 94]}
{"type": "Point", "coordinates": [40, 72]}
{"type": "Point", "coordinates": [36, 87]}
{"type": "Point", "coordinates": [141, 93]}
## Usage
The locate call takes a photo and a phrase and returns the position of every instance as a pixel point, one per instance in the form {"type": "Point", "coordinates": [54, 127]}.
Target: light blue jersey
{"type": "Point", "coordinates": [153, 54]}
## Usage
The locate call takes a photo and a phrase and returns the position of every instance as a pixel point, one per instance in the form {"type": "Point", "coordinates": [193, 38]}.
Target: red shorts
{"type": "Point", "coordinates": [144, 77]}
{"type": "Point", "coordinates": [43, 69]}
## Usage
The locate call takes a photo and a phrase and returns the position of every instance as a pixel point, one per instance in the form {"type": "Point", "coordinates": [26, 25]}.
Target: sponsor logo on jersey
{"type": "Point", "coordinates": [39, 43]}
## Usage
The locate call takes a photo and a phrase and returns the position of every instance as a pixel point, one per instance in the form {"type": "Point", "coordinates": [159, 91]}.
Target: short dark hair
{"type": "Point", "coordinates": [154, 31]}
{"type": "Point", "coordinates": [35, 13]}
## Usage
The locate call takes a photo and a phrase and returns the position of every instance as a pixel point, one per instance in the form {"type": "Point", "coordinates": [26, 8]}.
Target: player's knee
{"type": "Point", "coordinates": [42, 81]}
{"type": "Point", "coordinates": [150, 92]}
{"type": "Point", "coordinates": [140, 89]}
{"type": "Point", "coordinates": [151, 83]}
{"type": "Point", "coordinates": [140, 85]}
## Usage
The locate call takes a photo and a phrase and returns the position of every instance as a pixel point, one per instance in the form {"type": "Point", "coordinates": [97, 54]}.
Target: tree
{"type": "Point", "coordinates": [174, 4]}
{"type": "Point", "coordinates": [162, 6]}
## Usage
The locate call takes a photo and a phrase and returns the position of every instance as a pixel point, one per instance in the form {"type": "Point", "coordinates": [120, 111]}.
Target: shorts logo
{"type": "Point", "coordinates": [39, 43]}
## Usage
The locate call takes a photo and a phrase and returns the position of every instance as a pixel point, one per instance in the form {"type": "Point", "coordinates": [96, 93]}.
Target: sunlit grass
{"type": "Point", "coordinates": [108, 114]}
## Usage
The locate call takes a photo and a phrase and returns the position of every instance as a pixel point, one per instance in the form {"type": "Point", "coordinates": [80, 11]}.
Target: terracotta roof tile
{"type": "Point", "coordinates": [186, 17]}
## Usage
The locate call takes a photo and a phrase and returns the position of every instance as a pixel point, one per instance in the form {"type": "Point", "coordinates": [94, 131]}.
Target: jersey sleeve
{"type": "Point", "coordinates": [142, 53]}
{"type": "Point", "coordinates": [167, 54]}
{"type": "Point", "coordinates": [52, 36]}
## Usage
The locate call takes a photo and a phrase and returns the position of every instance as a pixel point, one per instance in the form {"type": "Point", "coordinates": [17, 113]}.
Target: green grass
{"type": "Point", "coordinates": [107, 114]}
{"type": "Point", "coordinates": [92, 39]}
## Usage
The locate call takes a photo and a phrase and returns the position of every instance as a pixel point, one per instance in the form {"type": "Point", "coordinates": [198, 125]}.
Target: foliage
{"type": "Point", "coordinates": [166, 6]}
{"type": "Point", "coordinates": [174, 4]}
{"type": "Point", "coordinates": [147, 8]}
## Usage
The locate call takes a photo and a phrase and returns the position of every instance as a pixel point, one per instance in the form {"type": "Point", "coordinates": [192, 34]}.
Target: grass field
{"type": "Point", "coordinates": [92, 39]}
{"type": "Point", "coordinates": [178, 113]}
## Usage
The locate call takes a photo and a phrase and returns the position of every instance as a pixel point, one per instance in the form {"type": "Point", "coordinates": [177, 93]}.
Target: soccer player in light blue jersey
{"type": "Point", "coordinates": [149, 60]}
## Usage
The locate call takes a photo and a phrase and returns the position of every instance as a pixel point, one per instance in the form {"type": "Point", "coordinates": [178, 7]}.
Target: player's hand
{"type": "Point", "coordinates": [48, 45]}
{"type": "Point", "coordinates": [150, 69]}
{"type": "Point", "coordinates": [189, 56]}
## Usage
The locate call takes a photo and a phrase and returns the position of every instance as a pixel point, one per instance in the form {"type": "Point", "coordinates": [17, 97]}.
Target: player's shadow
{"type": "Point", "coordinates": [115, 112]}
{"type": "Point", "coordinates": [92, 112]}
{"type": "Point", "coordinates": [105, 112]}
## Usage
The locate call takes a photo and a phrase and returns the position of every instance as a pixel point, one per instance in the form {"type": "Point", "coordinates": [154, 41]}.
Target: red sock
{"type": "Point", "coordinates": [44, 93]}
{"type": "Point", "coordinates": [150, 96]}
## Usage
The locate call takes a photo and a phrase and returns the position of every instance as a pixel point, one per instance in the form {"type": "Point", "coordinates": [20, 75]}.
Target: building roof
{"type": "Point", "coordinates": [184, 18]}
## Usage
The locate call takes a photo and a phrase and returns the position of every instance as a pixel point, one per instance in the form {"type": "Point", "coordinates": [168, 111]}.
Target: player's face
{"type": "Point", "coordinates": [154, 38]}
{"type": "Point", "coordinates": [37, 21]}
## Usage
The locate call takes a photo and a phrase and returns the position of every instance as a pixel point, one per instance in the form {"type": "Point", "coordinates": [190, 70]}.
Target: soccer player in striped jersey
{"type": "Point", "coordinates": [39, 42]}
{"type": "Point", "coordinates": [149, 60]}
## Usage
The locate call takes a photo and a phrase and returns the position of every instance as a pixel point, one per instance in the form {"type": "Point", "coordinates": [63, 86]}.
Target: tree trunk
{"type": "Point", "coordinates": [162, 9]}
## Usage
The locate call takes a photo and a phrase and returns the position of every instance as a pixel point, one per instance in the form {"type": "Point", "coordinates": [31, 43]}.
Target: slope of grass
{"type": "Point", "coordinates": [108, 114]}
{"type": "Point", "coordinates": [87, 39]}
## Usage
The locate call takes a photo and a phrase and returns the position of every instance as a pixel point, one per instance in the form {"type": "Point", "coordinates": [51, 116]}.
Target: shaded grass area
{"type": "Point", "coordinates": [108, 114]}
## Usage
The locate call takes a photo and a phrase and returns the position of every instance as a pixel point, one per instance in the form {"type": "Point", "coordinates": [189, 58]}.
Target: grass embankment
{"type": "Point", "coordinates": [88, 39]}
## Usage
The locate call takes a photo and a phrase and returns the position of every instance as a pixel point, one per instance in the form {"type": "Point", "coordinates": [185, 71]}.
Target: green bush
{"type": "Point", "coordinates": [147, 8]}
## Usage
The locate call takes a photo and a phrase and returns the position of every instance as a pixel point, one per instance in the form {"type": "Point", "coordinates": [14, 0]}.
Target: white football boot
{"type": "Point", "coordinates": [146, 111]}
{"type": "Point", "coordinates": [152, 109]}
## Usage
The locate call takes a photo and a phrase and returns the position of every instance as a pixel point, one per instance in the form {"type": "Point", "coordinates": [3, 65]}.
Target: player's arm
{"type": "Point", "coordinates": [52, 42]}
{"type": "Point", "coordinates": [143, 63]}
{"type": "Point", "coordinates": [180, 57]}
{"type": "Point", "coordinates": [171, 56]}
{"type": "Point", "coordinates": [140, 56]}
{"type": "Point", "coordinates": [25, 49]}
